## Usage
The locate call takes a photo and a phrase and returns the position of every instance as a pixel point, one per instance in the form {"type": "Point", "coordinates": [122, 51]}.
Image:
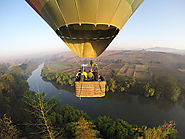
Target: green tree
{"type": "Point", "coordinates": [83, 129]}
{"type": "Point", "coordinates": [112, 85]}
{"type": "Point", "coordinates": [107, 88]}
{"type": "Point", "coordinates": [167, 87]}
{"type": "Point", "coordinates": [119, 83]}
{"type": "Point", "coordinates": [7, 129]}
{"type": "Point", "coordinates": [165, 131]}
{"type": "Point", "coordinates": [130, 82]}
{"type": "Point", "coordinates": [149, 92]}
{"type": "Point", "coordinates": [41, 109]}
{"type": "Point", "coordinates": [70, 82]}
{"type": "Point", "coordinates": [58, 79]}
{"type": "Point", "coordinates": [8, 86]}
{"type": "Point", "coordinates": [69, 114]}
{"type": "Point", "coordinates": [114, 129]}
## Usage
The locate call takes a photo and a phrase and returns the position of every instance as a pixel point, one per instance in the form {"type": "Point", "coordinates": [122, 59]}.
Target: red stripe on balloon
{"type": "Point", "coordinates": [31, 4]}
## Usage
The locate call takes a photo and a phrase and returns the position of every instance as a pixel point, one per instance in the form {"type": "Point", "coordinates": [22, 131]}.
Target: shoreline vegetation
{"type": "Point", "coordinates": [27, 114]}
{"type": "Point", "coordinates": [158, 88]}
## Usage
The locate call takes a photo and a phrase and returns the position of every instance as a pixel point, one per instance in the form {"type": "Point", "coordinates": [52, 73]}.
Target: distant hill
{"type": "Point", "coordinates": [167, 50]}
{"type": "Point", "coordinates": [140, 64]}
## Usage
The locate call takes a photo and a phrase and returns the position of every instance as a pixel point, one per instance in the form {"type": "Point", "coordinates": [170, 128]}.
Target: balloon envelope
{"type": "Point", "coordinates": [86, 26]}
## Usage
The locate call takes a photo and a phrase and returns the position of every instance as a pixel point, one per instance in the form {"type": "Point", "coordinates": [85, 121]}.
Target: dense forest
{"type": "Point", "coordinates": [157, 87]}
{"type": "Point", "coordinates": [12, 87]}
{"type": "Point", "coordinates": [27, 114]}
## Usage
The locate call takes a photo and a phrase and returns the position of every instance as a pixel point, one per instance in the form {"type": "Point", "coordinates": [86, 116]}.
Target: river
{"type": "Point", "coordinates": [134, 109]}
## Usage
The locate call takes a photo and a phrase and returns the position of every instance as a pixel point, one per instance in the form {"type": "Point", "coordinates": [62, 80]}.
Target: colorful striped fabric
{"type": "Point", "coordinates": [86, 26]}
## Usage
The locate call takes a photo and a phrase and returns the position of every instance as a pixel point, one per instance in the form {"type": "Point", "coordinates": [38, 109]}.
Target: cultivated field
{"type": "Point", "coordinates": [139, 64]}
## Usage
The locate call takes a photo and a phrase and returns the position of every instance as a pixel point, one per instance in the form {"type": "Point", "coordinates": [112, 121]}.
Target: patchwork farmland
{"type": "Point", "coordinates": [138, 64]}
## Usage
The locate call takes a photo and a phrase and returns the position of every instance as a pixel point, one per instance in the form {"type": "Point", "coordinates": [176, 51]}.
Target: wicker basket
{"type": "Point", "coordinates": [90, 88]}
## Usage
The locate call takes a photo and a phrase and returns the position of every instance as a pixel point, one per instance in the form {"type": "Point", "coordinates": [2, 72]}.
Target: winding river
{"type": "Point", "coordinates": [134, 109]}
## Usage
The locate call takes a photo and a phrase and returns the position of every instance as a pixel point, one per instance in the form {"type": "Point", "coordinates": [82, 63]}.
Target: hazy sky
{"type": "Point", "coordinates": [156, 23]}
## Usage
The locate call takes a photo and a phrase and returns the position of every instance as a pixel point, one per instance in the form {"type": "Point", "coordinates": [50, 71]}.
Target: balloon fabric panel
{"type": "Point", "coordinates": [86, 26]}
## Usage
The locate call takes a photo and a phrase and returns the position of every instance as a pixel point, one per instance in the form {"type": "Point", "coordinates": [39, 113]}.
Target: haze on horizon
{"type": "Point", "coordinates": [156, 23]}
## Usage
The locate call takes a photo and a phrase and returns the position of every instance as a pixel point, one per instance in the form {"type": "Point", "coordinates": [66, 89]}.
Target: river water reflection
{"type": "Point", "coordinates": [134, 109]}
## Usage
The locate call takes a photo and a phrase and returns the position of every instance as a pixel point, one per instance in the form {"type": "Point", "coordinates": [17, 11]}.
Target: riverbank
{"type": "Point", "coordinates": [132, 108]}
{"type": "Point", "coordinates": [158, 88]}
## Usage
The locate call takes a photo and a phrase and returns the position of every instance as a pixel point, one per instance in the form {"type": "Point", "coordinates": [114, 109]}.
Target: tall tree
{"type": "Point", "coordinates": [7, 129]}
{"type": "Point", "coordinates": [84, 129]}
{"type": "Point", "coordinates": [41, 108]}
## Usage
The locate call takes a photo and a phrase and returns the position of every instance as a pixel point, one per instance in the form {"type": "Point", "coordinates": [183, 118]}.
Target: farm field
{"type": "Point", "coordinates": [140, 64]}
{"type": "Point", "coordinates": [56, 66]}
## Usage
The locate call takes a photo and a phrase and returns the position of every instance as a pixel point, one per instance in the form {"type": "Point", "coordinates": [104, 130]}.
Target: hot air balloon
{"type": "Point", "coordinates": [86, 26]}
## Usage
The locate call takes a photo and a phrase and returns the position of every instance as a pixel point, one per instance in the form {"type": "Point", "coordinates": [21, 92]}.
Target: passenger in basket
{"type": "Point", "coordinates": [78, 75]}
{"type": "Point", "coordinates": [101, 78]}
{"type": "Point", "coordinates": [95, 75]}
{"type": "Point", "coordinates": [85, 74]}
{"type": "Point", "coordinates": [90, 75]}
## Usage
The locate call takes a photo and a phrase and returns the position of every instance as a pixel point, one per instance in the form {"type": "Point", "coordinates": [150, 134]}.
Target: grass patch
{"type": "Point", "coordinates": [57, 66]}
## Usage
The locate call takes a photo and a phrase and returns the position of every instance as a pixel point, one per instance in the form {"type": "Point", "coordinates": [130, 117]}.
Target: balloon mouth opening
{"type": "Point", "coordinates": [87, 32]}
{"type": "Point", "coordinates": [87, 40]}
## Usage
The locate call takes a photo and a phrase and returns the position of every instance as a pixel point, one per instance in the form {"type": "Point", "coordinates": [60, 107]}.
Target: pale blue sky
{"type": "Point", "coordinates": [156, 23]}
